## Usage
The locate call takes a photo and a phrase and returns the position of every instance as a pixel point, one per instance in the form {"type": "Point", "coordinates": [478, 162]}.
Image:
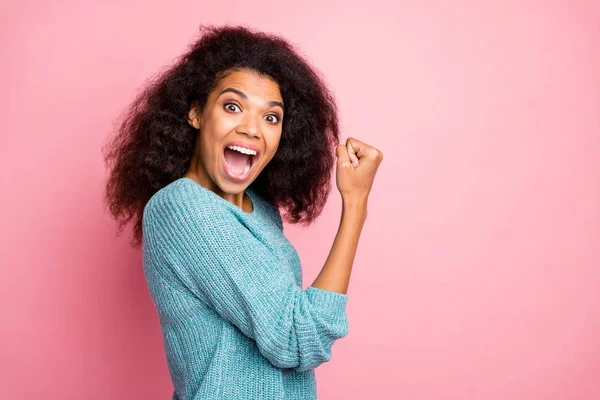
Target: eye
{"type": "Point", "coordinates": [230, 104]}
{"type": "Point", "coordinates": [278, 118]}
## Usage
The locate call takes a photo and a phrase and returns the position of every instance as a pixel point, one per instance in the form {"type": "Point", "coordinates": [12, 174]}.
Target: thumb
{"type": "Point", "coordinates": [341, 153]}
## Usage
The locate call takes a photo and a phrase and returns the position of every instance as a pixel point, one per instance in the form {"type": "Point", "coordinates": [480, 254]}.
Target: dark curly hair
{"type": "Point", "coordinates": [154, 143]}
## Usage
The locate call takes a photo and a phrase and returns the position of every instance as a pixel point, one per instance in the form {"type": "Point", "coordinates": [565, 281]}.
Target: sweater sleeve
{"type": "Point", "coordinates": [225, 265]}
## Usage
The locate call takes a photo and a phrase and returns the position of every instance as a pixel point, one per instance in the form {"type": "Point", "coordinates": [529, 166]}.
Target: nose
{"type": "Point", "coordinates": [250, 126]}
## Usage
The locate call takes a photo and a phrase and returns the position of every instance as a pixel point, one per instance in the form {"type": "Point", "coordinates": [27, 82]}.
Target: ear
{"type": "Point", "coordinates": [194, 115]}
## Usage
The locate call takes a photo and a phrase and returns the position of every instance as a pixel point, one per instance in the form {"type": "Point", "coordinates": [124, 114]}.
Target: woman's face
{"type": "Point", "coordinates": [246, 110]}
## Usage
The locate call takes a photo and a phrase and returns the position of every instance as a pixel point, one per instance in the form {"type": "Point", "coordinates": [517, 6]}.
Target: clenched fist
{"type": "Point", "coordinates": [357, 164]}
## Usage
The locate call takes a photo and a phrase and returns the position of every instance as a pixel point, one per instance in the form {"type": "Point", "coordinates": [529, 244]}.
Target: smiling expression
{"type": "Point", "coordinates": [244, 109]}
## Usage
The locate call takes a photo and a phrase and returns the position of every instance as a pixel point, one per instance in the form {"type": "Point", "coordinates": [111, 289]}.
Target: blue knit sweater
{"type": "Point", "coordinates": [227, 286]}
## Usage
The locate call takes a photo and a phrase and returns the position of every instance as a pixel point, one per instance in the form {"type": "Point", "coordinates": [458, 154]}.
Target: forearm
{"type": "Point", "coordinates": [335, 275]}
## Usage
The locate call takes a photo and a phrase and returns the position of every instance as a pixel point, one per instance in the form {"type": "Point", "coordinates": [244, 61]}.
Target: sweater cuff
{"type": "Point", "coordinates": [326, 301]}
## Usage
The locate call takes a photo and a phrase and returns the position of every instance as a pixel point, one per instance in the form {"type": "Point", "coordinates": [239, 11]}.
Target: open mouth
{"type": "Point", "coordinates": [238, 162]}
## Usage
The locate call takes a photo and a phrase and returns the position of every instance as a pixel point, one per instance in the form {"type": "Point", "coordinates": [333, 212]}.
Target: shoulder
{"type": "Point", "coordinates": [180, 199]}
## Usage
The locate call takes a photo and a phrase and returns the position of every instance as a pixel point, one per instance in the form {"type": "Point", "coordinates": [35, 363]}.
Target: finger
{"type": "Point", "coordinates": [352, 155]}
{"type": "Point", "coordinates": [363, 150]}
{"type": "Point", "coordinates": [342, 154]}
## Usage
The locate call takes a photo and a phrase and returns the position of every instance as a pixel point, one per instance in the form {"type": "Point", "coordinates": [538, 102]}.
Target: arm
{"type": "Point", "coordinates": [335, 274]}
{"type": "Point", "coordinates": [225, 265]}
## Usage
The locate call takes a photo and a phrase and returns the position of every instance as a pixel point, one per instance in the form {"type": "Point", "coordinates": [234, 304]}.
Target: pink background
{"type": "Point", "coordinates": [478, 272]}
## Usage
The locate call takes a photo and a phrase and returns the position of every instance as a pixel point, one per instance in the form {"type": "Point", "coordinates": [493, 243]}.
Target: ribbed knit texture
{"type": "Point", "coordinates": [227, 285]}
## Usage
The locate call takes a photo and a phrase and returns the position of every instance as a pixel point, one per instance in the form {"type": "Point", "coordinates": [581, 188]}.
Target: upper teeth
{"type": "Point", "coordinates": [242, 150]}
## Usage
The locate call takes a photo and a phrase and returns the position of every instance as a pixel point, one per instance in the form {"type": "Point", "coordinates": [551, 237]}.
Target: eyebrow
{"type": "Point", "coordinates": [244, 96]}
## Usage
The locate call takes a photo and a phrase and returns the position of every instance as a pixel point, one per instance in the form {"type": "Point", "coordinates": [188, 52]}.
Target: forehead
{"type": "Point", "coordinates": [252, 84]}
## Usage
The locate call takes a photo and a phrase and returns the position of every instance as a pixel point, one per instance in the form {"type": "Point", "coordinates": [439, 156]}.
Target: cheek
{"type": "Point", "coordinates": [209, 151]}
{"type": "Point", "coordinates": [211, 138]}
{"type": "Point", "coordinates": [273, 141]}
{"type": "Point", "coordinates": [276, 145]}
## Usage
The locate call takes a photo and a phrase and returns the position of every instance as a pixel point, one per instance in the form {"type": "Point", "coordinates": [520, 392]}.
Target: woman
{"type": "Point", "coordinates": [206, 155]}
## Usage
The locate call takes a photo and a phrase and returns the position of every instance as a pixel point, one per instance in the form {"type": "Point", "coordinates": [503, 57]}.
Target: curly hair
{"type": "Point", "coordinates": [154, 143]}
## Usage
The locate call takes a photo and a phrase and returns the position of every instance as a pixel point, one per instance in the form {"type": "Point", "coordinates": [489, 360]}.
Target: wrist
{"type": "Point", "coordinates": [355, 206]}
